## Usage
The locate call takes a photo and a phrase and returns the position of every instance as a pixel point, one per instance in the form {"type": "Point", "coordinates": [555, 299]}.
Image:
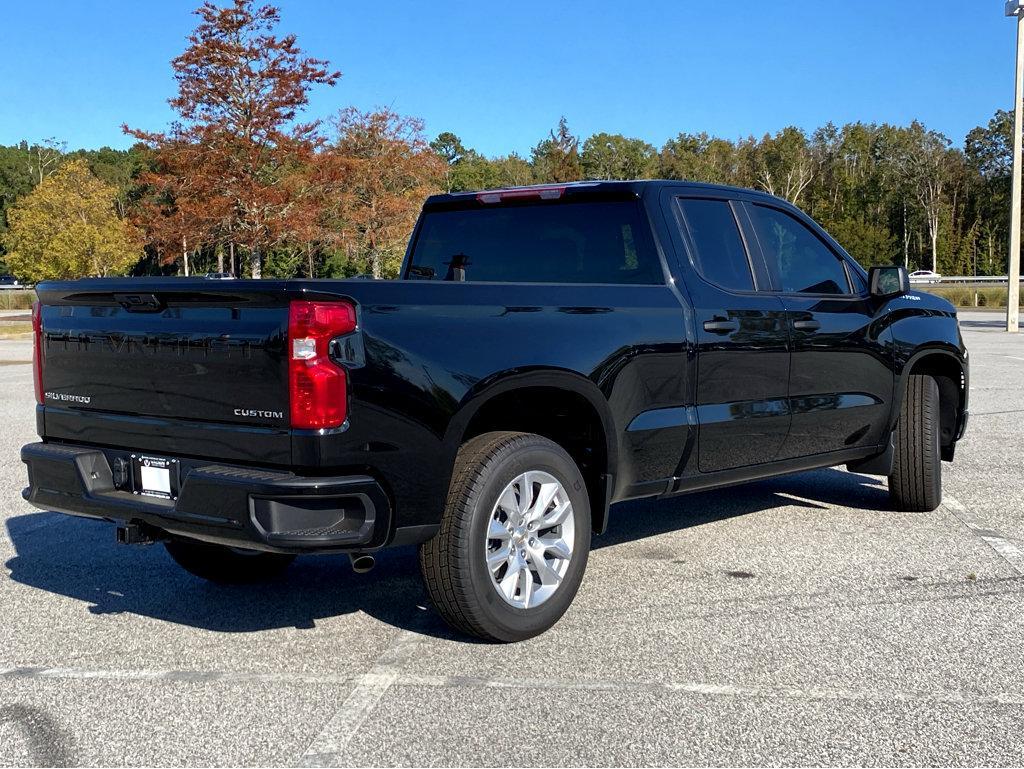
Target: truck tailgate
{"type": "Point", "coordinates": [166, 349]}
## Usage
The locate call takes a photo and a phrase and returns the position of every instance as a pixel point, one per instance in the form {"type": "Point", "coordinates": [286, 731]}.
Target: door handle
{"type": "Point", "coordinates": [721, 326]}
{"type": "Point", "coordinates": [806, 325]}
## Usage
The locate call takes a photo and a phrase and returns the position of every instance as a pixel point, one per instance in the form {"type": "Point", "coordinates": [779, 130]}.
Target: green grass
{"type": "Point", "coordinates": [969, 296]}
{"type": "Point", "coordinates": [15, 328]}
{"type": "Point", "coordinates": [17, 299]}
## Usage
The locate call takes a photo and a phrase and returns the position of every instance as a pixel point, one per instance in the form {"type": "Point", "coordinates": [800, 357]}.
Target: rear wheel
{"type": "Point", "coordinates": [228, 565]}
{"type": "Point", "coordinates": [916, 481]}
{"type": "Point", "coordinates": [514, 538]}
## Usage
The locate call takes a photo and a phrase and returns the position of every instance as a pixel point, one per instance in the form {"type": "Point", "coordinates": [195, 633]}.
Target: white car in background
{"type": "Point", "coordinates": [925, 276]}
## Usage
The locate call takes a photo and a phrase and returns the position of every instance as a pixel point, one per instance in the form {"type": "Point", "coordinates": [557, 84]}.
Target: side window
{"type": "Point", "coordinates": [798, 258]}
{"type": "Point", "coordinates": [720, 256]}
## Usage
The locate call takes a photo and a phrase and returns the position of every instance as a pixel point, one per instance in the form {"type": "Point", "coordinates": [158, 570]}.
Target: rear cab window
{"type": "Point", "coordinates": [716, 247]}
{"type": "Point", "coordinates": [603, 242]}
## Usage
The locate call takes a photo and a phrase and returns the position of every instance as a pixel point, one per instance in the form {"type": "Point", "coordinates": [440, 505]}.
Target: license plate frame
{"type": "Point", "coordinates": [154, 476]}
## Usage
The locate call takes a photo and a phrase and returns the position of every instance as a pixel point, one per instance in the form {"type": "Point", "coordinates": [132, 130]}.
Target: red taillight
{"type": "Point", "coordinates": [317, 386]}
{"type": "Point", "coordinates": [37, 350]}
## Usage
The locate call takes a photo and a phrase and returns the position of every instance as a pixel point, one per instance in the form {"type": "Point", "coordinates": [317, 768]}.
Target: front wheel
{"type": "Point", "coordinates": [228, 565]}
{"type": "Point", "coordinates": [916, 481]}
{"type": "Point", "coordinates": [514, 538]}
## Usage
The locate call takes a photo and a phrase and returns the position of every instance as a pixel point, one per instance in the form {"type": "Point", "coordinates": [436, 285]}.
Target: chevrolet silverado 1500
{"type": "Point", "coordinates": [547, 352]}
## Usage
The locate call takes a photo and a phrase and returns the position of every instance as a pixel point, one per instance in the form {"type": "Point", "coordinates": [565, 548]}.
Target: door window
{"type": "Point", "coordinates": [800, 261]}
{"type": "Point", "coordinates": [718, 251]}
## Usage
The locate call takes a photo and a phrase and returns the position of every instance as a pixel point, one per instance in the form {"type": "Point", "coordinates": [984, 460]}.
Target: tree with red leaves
{"type": "Point", "coordinates": [221, 170]}
{"type": "Point", "coordinates": [183, 208]}
{"type": "Point", "coordinates": [385, 170]}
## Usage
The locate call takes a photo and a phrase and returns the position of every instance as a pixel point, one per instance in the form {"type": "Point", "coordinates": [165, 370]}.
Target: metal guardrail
{"type": "Point", "coordinates": [997, 279]}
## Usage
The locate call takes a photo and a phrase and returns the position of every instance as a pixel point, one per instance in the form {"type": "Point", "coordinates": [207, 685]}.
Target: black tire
{"type": "Point", "coordinates": [453, 562]}
{"type": "Point", "coordinates": [916, 481]}
{"type": "Point", "coordinates": [226, 565]}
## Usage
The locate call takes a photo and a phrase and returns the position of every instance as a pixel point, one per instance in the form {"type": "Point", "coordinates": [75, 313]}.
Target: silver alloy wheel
{"type": "Point", "coordinates": [530, 538]}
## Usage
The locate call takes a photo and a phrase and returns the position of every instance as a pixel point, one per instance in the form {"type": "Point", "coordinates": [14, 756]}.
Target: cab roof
{"type": "Point", "coordinates": [597, 189]}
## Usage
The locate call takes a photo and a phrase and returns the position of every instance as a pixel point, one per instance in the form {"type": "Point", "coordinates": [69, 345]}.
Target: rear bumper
{"type": "Point", "coordinates": [223, 504]}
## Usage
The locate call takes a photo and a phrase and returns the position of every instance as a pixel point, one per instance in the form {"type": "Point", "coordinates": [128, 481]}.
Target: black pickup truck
{"type": "Point", "coordinates": [547, 352]}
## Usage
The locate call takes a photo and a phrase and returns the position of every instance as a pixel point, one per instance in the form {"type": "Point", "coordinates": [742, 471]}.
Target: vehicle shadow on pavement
{"type": "Point", "coordinates": [78, 558]}
{"type": "Point", "coordinates": [817, 489]}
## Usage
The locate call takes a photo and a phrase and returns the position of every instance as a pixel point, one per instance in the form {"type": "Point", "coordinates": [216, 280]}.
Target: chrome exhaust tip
{"type": "Point", "coordinates": [361, 562]}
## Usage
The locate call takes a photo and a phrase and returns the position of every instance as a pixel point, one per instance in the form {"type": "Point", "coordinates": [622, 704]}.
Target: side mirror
{"type": "Point", "coordinates": [888, 281]}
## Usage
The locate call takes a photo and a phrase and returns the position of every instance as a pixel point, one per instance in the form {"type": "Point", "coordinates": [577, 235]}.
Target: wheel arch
{"type": "Point", "coordinates": [561, 405]}
{"type": "Point", "coordinates": [950, 373]}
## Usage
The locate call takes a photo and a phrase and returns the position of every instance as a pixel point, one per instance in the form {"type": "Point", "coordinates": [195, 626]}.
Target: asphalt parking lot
{"type": "Point", "coordinates": [794, 621]}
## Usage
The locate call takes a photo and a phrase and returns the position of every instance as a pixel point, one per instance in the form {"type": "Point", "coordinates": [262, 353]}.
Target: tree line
{"type": "Point", "coordinates": [240, 183]}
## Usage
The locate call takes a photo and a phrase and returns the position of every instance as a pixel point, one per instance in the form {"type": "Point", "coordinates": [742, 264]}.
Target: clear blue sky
{"type": "Point", "coordinates": [500, 74]}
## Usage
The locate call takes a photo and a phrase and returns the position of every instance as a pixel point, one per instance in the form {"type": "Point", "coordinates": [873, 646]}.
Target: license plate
{"type": "Point", "coordinates": [155, 476]}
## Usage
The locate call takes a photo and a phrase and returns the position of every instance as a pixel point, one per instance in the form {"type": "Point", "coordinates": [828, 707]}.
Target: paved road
{"type": "Point", "coordinates": [794, 621]}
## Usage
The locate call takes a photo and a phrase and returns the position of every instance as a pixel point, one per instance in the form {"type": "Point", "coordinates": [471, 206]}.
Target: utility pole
{"type": "Point", "coordinates": [1015, 8]}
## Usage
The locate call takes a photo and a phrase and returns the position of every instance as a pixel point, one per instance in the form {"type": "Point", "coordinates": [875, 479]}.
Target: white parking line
{"type": "Point", "coordinates": [1008, 551]}
{"type": "Point", "coordinates": [228, 676]}
{"type": "Point", "coordinates": [328, 747]}
{"type": "Point", "coordinates": [719, 690]}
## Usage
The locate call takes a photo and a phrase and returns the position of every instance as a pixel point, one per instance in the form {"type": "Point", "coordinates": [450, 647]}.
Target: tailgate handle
{"type": "Point", "coordinates": [139, 302]}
